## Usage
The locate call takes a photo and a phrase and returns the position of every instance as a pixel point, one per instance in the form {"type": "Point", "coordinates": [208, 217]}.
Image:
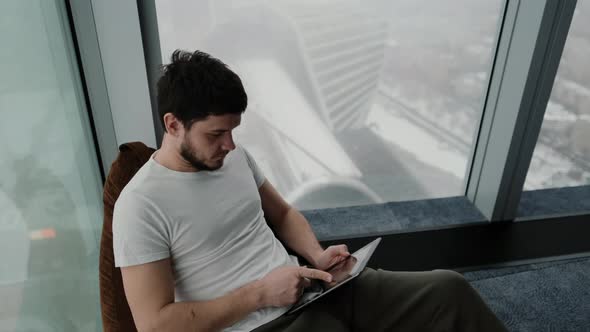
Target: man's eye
{"type": "Point", "coordinates": [215, 135]}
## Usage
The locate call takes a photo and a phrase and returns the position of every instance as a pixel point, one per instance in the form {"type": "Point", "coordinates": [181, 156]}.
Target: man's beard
{"type": "Point", "coordinates": [187, 152]}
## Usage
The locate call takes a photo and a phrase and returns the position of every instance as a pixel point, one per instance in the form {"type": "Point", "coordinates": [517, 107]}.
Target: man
{"type": "Point", "coordinates": [191, 235]}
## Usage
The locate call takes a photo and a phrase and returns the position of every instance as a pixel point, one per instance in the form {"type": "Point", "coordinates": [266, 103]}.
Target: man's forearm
{"type": "Point", "coordinates": [212, 315]}
{"type": "Point", "coordinates": [296, 232]}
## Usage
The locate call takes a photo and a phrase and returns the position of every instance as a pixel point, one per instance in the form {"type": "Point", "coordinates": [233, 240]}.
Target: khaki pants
{"type": "Point", "coordinates": [382, 300]}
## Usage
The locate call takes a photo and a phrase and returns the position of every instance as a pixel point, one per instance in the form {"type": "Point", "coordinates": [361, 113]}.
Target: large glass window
{"type": "Point", "coordinates": [350, 102]}
{"type": "Point", "coordinates": [562, 154]}
{"type": "Point", "coordinates": [50, 187]}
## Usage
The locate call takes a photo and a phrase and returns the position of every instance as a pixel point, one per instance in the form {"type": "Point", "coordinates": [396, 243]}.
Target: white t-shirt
{"type": "Point", "coordinates": [211, 225]}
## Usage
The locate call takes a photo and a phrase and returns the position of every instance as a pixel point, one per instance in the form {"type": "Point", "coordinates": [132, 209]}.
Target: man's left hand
{"type": "Point", "coordinates": [332, 256]}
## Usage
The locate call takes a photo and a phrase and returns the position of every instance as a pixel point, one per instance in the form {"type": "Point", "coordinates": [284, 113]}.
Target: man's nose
{"type": "Point", "coordinates": [228, 143]}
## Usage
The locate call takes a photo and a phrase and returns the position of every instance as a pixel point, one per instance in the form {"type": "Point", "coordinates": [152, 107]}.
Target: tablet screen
{"type": "Point", "coordinates": [348, 267]}
{"type": "Point", "coordinates": [341, 271]}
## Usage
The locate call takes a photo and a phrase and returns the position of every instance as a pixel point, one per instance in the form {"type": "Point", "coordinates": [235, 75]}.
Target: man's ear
{"type": "Point", "coordinates": [173, 125]}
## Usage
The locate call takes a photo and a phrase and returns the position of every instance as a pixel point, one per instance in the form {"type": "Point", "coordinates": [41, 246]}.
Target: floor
{"type": "Point", "coordinates": [552, 296]}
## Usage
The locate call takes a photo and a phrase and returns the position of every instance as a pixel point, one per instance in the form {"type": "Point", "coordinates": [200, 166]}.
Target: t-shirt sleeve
{"type": "Point", "coordinates": [258, 175]}
{"type": "Point", "coordinates": [139, 232]}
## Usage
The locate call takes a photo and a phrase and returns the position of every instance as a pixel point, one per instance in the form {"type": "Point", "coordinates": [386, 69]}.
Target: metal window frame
{"type": "Point", "coordinates": [529, 49]}
{"type": "Point", "coordinates": [150, 35]}
{"type": "Point", "coordinates": [111, 53]}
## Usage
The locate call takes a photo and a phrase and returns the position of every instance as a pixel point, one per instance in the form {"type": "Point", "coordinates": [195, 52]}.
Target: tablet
{"type": "Point", "coordinates": [341, 273]}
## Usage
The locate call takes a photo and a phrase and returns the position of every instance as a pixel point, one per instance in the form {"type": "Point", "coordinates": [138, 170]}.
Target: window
{"type": "Point", "coordinates": [562, 154]}
{"type": "Point", "coordinates": [50, 187]}
{"type": "Point", "coordinates": [350, 102]}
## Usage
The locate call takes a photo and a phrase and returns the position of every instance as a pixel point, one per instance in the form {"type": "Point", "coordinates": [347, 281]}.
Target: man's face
{"type": "Point", "coordinates": [208, 141]}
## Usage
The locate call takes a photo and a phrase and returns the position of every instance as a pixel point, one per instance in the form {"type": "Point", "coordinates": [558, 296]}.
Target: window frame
{"type": "Point", "coordinates": [526, 63]}
{"type": "Point", "coordinates": [108, 37]}
{"type": "Point", "coordinates": [529, 43]}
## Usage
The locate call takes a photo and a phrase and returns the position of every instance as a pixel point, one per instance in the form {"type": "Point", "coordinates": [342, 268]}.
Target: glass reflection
{"type": "Point", "coordinates": [50, 189]}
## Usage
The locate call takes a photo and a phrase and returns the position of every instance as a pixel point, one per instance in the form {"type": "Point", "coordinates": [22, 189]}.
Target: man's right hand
{"type": "Point", "coordinates": [284, 285]}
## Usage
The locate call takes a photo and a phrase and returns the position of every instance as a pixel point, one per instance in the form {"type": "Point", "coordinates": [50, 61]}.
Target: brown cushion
{"type": "Point", "coordinates": [116, 315]}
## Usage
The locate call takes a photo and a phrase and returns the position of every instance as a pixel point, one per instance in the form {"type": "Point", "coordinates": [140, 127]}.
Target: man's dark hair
{"type": "Point", "coordinates": [196, 85]}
